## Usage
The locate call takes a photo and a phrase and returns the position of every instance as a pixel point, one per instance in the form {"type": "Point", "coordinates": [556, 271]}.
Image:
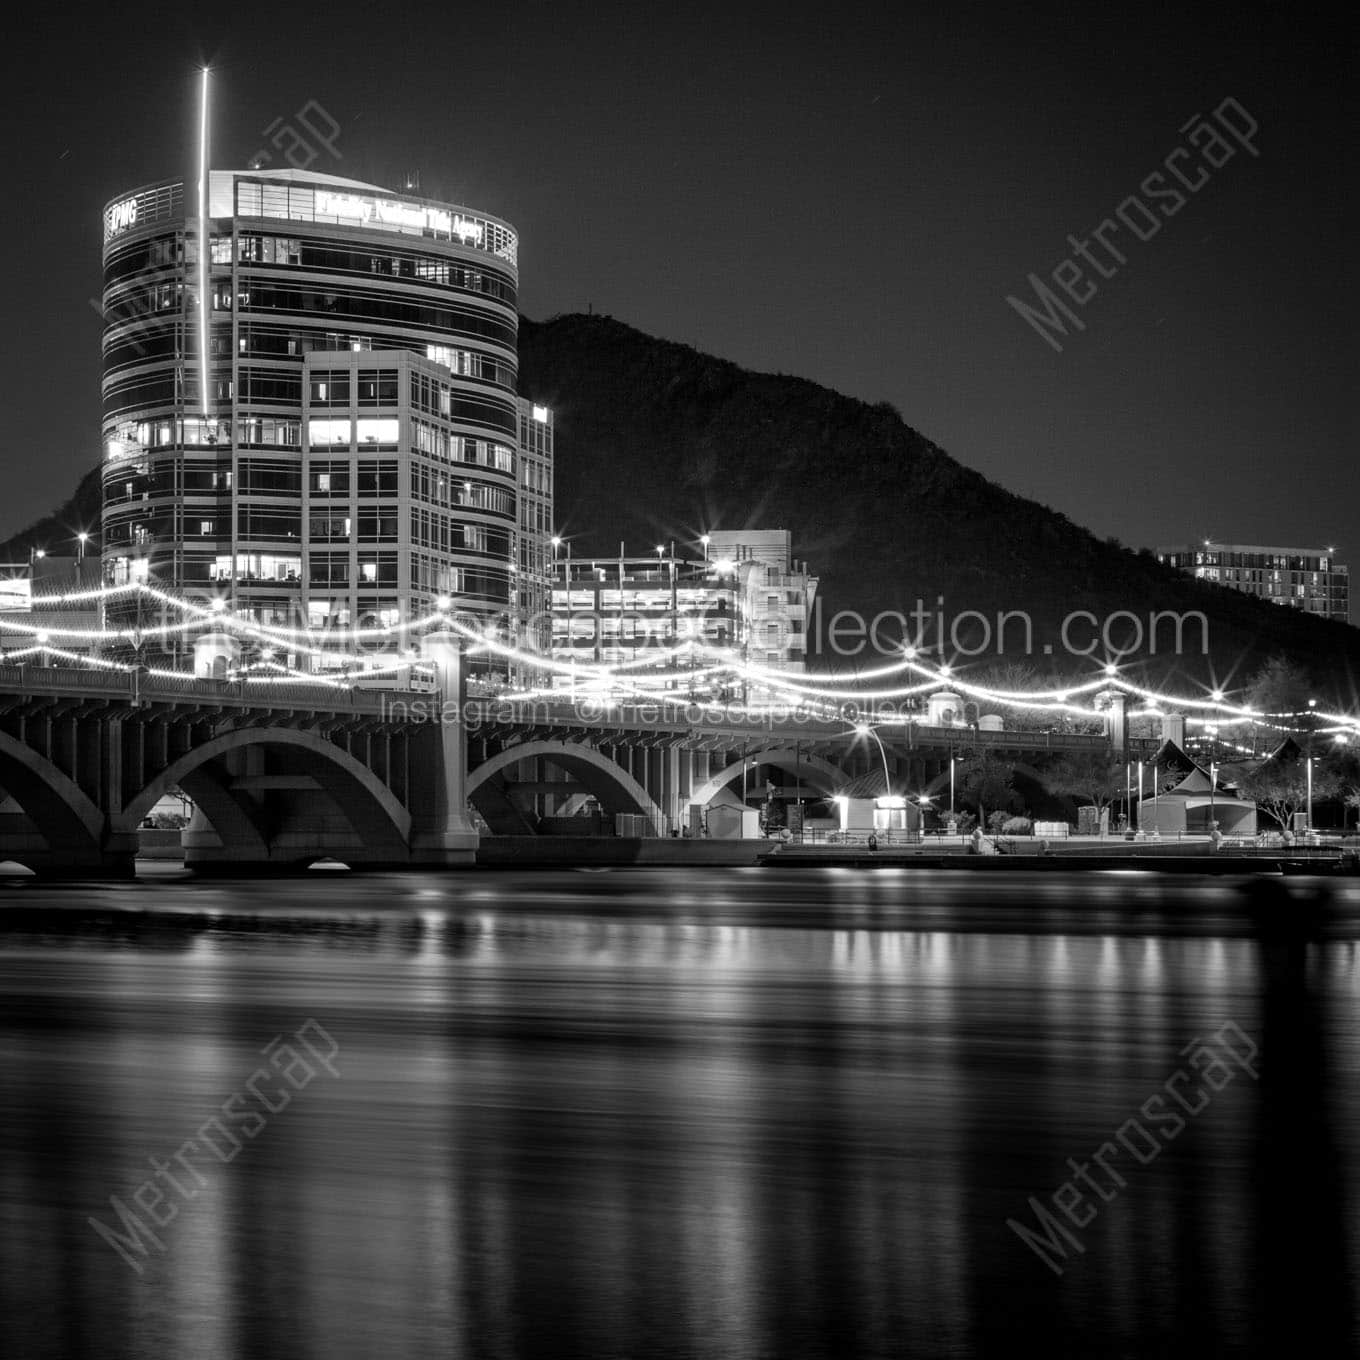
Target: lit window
{"type": "Point", "coordinates": [379, 430]}
{"type": "Point", "coordinates": [328, 433]}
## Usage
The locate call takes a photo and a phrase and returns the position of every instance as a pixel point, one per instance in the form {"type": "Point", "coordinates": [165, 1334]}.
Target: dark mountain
{"type": "Point", "coordinates": [56, 532]}
{"type": "Point", "coordinates": [656, 441]}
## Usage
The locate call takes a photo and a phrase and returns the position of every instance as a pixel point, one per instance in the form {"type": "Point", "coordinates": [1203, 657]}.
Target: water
{"type": "Point", "coordinates": [727, 1113]}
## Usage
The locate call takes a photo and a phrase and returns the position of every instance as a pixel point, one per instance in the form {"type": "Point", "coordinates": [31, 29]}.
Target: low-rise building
{"type": "Point", "coordinates": [745, 594]}
{"type": "Point", "coordinates": [40, 606]}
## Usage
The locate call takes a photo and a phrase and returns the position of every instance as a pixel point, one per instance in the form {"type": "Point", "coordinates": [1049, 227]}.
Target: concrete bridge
{"type": "Point", "coordinates": [280, 774]}
{"type": "Point", "coordinates": [529, 761]}
{"type": "Point", "coordinates": [283, 774]}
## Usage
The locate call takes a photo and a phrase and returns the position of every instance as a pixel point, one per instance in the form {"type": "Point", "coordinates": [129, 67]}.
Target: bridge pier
{"type": "Point", "coordinates": [441, 830]}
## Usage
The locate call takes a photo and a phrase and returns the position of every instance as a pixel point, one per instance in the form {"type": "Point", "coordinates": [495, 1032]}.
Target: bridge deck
{"type": "Point", "coordinates": [729, 728]}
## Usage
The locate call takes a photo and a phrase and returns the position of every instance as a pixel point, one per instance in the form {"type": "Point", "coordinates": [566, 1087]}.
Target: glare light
{"type": "Point", "coordinates": [443, 602]}
{"type": "Point", "coordinates": [1217, 696]}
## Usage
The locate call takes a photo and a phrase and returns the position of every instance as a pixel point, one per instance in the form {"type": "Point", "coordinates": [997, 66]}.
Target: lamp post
{"type": "Point", "coordinates": [864, 730]}
{"type": "Point", "coordinates": [1312, 718]}
{"type": "Point", "coordinates": [1213, 780]}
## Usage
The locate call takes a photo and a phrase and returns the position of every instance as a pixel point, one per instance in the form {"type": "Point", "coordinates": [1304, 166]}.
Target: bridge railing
{"type": "Point", "coordinates": [285, 693]}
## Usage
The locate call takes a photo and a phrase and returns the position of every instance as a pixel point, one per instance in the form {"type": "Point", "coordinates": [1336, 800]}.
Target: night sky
{"type": "Point", "coordinates": [846, 193]}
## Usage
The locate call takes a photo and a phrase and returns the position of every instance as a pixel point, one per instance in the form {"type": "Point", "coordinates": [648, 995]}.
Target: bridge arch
{"type": "Point", "coordinates": [820, 773]}
{"type": "Point", "coordinates": [211, 775]}
{"type": "Point", "coordinates": [607, 782]}
{"type": "Point", "coordinates": [59, 809]}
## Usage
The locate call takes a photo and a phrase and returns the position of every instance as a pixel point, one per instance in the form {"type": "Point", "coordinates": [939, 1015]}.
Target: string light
{"type": "Point", "coordinates": [651, 680]}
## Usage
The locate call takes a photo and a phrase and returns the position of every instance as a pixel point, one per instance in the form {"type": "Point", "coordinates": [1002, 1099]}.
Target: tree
{"type": "Point", "coordinates": [986, 780]}
{"type": "Point", "coordinates": [1279, 786]}
{"type": "Point", "coordinates": [1096, 776]}
{"type": "Point", "coordinates": [1343, 764]}
{"type": "Point", "coordinates": [1280, 686]}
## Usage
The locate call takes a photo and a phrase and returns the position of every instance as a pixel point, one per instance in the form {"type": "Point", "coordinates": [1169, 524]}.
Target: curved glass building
{"type": "Point", "coordinates": [309, 400]}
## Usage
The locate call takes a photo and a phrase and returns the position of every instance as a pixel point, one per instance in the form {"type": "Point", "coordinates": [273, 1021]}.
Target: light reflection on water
{"type": "Point", "coordinates": [679, 1113]}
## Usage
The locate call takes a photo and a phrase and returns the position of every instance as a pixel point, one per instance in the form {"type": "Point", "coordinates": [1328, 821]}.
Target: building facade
{"type": "Point", "coordinates": [776, 595]}
{"type": "Point", "coordinates": [535, 574]}
{"type": "Point", "coordinates": [745, 595]}
{"type": "Point", "coordinates": [309, 401]}
{"type": "Point", "coordinates": [1310, 579]}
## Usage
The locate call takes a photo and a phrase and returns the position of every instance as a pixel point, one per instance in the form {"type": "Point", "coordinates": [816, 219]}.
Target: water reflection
{"type": "Point", "coordinates": [684, 1114]}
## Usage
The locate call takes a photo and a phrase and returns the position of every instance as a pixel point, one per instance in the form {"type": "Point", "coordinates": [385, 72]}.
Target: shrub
{"type": "Point", "coordinates": [1017, 826]}
{"type": "Point", "coordinates": [996, 821]}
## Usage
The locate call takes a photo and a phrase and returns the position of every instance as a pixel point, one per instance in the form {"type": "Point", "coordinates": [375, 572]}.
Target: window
{"type": "Point", "coordinates": [253, 521]}
{"type": "Point", "coordinates": [377, 524]}
{"type": "Point", "coordinates": [329, 479]}
{"type": "Point", "coordinates": [377, 478]}
{"type": "Point", "coordinates": [269, 433]}
{"type": "Point", "coordinates": [330, 388]}
{"type": "Point", "coordinates": [270, 477]}
{"type": "Point", "coordinates": [378, 387]}
{"type": "Point", "coordinates": [328, 526]}
{"type": "Point", "coordinates": [328, 433]}
{"type": "Point", "coordinates": [328, 569]}
{"type": "Point", "coordinates": [382, 430]}
{"type": "Point", "coordinates": [377, 569]}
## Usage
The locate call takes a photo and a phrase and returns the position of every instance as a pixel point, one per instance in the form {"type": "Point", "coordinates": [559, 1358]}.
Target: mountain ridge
{"type": "Point", "coordinates": [680, 442]}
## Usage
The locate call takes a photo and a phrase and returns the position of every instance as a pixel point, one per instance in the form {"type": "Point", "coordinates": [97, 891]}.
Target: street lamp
{"type": "Point", "coordinates": [864, 730]}
{"type": "Point", "coordinates": [1312, 718]}
{"type": "Point", "coordinates": [705, 541]}
{"type": "Point", "coordinates": [82, 539]}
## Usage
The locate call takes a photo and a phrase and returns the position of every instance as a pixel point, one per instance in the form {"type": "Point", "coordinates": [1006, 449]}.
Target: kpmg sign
{"type": "Point", "coordinates": [388, 212]}
{"type": "Point", "coordinates": [120, 217]}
